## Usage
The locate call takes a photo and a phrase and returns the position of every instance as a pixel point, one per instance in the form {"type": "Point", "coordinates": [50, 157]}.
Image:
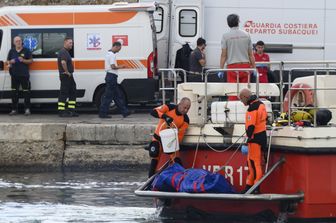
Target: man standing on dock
{"type": "Point", "coordinates": [112, 90]}
{"type": "Point", "coordinates": [68, 84]}
{"type": "Point", "coordinates": [18, 61]}
{"type": "Point", "coordinates": [168, 114]}
{"type": "Point", "coordinates": [255, 125]}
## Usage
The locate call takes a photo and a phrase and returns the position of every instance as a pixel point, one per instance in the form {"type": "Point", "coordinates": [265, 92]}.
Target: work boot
{"type": "Point", "coordinates": [247, 187]}
{"type": "Point", "coordinates": [27, 112]}
{"type": "Point", "coordinates": [74, 114]}
{"type": "Point", "coordinates": [257, 190]}
{"type": "Point", "coordinates": [126, 114]}
{"type": "Point", "coordinates": [105, 116]}
{"type": "Point", "coordinates": [13, 112]}
{"type": "Point", "coordinates": [64, 114]}
{"type": "Point", "coordinates": [152, 167]}
{"type": "Point", "coordinates": [178, 160]}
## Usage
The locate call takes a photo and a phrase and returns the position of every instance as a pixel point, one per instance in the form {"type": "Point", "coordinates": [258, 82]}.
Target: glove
{"type": "Point", "coordinates": [167, 119]}
{"type": "Point", "coordinates": [244, 149]}
{"type": "Point", "coordinates": [220, 75]}
{"type": "Point", "coordinates": [254, 74]}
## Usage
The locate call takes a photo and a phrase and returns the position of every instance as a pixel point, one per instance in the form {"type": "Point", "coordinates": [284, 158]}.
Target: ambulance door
{"type": "Point", "coordinates": [161, 18]}
{"type": "Point", "coordinates": [5, 80]}
{"type": "Point", "coordinates": [186, 26]}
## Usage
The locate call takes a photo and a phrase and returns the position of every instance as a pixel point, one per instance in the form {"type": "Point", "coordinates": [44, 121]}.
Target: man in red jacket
{"type": "Point", "coordinates": [260, 56]}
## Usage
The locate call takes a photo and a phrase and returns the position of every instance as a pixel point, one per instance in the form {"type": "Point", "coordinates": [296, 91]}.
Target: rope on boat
{"type": "Point", "coordinates": [196, 151]}
{"type": "Point", "coordinates": [219, 151]}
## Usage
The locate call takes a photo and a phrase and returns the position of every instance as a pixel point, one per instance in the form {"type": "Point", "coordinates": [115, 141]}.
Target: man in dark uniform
{"type": "Point", "coordinates": [18, 61]}
{"type": "Point", "coordinates": [68, 84]}
{"type": "Point", "coordinates": [168, 114]}
{"type": "Point", "coordinates": [197, 57]}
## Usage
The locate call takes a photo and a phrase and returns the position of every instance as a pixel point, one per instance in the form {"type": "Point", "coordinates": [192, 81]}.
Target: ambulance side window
{"type": "Point", "coordinates": [158, 18]}
{"type": "Point", "coordinates": [187, 23]}
{"type": "Point", "coordinates": [43, 43]}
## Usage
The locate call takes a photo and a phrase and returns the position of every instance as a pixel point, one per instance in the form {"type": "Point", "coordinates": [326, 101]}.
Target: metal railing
{"type": "Point", "coordinates": [315, 89]}
{"type": "Point", "coordinates": [282, 68]}
{"type": "Point", "coordinates": [282, 65]}
{"type": "Point", "coordinates": [205, 119]}
{"type": "Point", "coordinates": [163, 87]}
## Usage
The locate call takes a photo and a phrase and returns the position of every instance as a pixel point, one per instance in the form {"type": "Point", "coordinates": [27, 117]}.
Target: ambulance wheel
{"type": "Point", "coordinates": [99, 94]}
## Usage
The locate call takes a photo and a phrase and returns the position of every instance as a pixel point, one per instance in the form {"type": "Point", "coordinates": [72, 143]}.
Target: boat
{"type": "Point", "coordinates": [299, 183]}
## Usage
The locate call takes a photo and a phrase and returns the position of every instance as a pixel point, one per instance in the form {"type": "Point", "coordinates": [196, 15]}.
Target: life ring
{"type": "Point", "coordinates": [308, 95]}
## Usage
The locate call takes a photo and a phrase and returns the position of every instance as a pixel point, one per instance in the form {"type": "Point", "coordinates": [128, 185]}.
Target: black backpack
{"type": "Point", "coordinates": [182, 57]}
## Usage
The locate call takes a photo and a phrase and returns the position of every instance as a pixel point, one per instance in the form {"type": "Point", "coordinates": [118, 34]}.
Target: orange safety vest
{"type": "Point", "coordinates": [255, 123]}
{"type": "Point", "coordinates": [181, 121]}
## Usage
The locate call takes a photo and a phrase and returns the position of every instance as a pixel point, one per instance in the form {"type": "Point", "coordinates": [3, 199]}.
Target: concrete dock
{"type": "Point", "coordinates": [49, 143]}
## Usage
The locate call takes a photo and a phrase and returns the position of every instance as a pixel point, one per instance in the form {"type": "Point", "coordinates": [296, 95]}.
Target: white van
{"type": "Point", "coordinates": [292, 30]}
{"type": "Point", "coordinates": [94, 28]}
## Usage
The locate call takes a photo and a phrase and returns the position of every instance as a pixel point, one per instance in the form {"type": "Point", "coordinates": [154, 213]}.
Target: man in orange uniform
{"type": "Point", "coordinates": [168, 114]}
{"type": "Point", "coordinates": [255, 124]}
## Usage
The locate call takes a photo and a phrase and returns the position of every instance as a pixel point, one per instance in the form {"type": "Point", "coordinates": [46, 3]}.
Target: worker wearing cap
{"type": "Point", "coordinates": [169, 115]}
{"type": "Point", "coordinates": [237, 52]}
{"type": "Point", "coordinates": [255, 125]}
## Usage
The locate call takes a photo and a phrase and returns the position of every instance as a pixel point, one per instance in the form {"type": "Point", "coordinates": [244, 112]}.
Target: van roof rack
{"type": "Point", "coordinates": [125, 6]}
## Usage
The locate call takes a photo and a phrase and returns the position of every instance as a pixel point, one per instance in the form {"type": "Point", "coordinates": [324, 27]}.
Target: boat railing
{"type": "Point", "coordinates": [282, 66]}
{"type": "Point", "coordinates": [314, 88]}
{"type": "Point", "coordinates": [164, 73]}
{"type": "Point", "coordinates": [207, 72]}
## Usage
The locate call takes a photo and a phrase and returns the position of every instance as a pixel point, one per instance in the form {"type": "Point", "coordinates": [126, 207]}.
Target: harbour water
{"type": "Point", "coordinates": [74, 197]}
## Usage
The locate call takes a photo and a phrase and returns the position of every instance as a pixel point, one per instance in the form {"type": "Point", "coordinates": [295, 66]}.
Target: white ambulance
{"type": "Point", "coordinates": [94, 28]}
{"type": "Point", "coordinates": [292, 30]}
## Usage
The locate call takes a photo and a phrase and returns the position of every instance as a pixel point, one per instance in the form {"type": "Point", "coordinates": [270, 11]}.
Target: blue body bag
{"type": "Point", "coordinates": [177, 179]}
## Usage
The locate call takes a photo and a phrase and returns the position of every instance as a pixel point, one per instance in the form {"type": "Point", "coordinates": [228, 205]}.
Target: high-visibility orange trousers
{"type": "Point", "coordinates": [254, 164]}
{"type": "Point", "coordinates": [242, 76]}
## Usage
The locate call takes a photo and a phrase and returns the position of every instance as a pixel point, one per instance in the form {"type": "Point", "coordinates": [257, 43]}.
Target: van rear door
{"type": "Point", "coordinates": [186, 25]}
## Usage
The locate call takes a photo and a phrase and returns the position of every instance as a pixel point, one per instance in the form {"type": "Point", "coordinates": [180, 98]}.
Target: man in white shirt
{"type": "Point", "coordinates": [112, 91]}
